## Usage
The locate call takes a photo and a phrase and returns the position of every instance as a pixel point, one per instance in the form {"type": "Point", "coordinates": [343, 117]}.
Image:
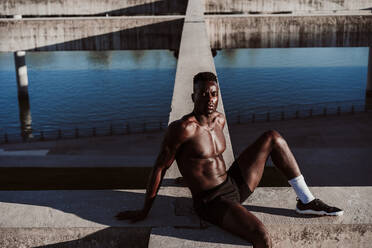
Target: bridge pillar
{"type": "Point", "coordinates": [369, 82]}
{"type": "Point", "coordinates": [22, 85]}
{"type": "Point", "coordinates": [23, 98]}
{"type": "Point", "coordinates": [21, 72]}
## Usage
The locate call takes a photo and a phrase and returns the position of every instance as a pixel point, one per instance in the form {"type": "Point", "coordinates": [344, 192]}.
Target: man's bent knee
{"type": "Point", "coordinates": [275, 138]}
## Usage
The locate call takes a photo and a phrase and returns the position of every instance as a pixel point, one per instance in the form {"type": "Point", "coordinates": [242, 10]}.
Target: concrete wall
{"type": "Point", "coordinates": [92, 7]}
{"type": "Point", "coordinates": [269, 31]}
{"type": "Point", "coordinates": [269, 6]}
{"type": "Point", "coordinates": [237, 31]}
{"type": "Point", "coordinates": [116, 33]}
{"type": "Point", "coordinates": [151, 7]}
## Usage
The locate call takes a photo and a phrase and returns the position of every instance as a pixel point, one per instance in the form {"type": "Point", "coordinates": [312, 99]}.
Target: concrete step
{"type": "Point", "coordinates": [33, 172]}
{"type": "Point", "coordinates": [26, 159]}
{"type": "Point", "coordinates": [275, 208]}
{"type": "Point", "coordinates": [58, 172]}
{"type": "Point", "coordinates": [85, 218]}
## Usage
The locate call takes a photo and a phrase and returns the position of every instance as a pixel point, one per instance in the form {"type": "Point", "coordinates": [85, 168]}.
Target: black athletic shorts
{"type": "Point", "coordinates": [211, 204]}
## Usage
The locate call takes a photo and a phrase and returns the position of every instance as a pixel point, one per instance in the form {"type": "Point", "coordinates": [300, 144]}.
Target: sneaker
{"type": "Point", "coordinates": [317, 207]}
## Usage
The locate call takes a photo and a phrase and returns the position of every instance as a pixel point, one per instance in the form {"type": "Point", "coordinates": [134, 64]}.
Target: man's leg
{"type": "Point", "coordinates": [253, 159]}
{"type": "Point", "coordinates": [239, 221]}
{"type": "Point", "coordinates": [252, 162]}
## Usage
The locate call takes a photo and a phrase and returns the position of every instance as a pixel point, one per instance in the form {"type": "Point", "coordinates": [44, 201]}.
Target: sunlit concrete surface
{"type": "Point", "coordinates": [88, 216]}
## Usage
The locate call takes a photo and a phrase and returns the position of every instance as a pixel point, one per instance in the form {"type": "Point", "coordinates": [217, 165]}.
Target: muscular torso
{"type": "Point", "coordinates": [199, 158]}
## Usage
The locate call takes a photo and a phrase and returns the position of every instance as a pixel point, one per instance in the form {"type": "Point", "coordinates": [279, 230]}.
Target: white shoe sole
{"type": "Point", "coordinates": [309, 211]}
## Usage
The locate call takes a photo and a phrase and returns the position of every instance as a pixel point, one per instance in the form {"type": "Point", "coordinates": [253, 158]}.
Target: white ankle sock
{"type": "Point", "coordinates": [301, 189]}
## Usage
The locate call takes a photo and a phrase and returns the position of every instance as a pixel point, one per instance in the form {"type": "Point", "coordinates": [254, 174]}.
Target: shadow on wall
{"type": "Point", "coordinates": [163, 7]}
{"type": "Point", "coordinates": [162, 35]}
{"type": "Point", "coordinates": [160, 7]}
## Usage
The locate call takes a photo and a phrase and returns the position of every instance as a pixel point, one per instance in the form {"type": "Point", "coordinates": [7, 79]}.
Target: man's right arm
{"type": "Point", "coordinates": [174, 137]}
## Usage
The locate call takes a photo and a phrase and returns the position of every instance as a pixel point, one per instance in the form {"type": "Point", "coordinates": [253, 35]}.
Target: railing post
{"type": "Point", "coordinates": [111, 130]}
{"type": "Point", "coordinates": [253, 118]}
{"type": "Point", "coordinates": [338, 110]}
{"type": "Point", "coordinates": [325, 112]}
{"type": "Point", "coordinates": [311, 112]}
{"type": "Point", "coordinates": [59, 134]}
{"type": "Point", "coordinates": [76, 133]}
{"type": "Point", "coordinates": [41, 135]}
{"type": "Point", "coordinates": [352, 109]}
{"type": "Point", "coordinates": [128, 128]}
{"type": "Point", "coordinates": [160, 126]}
{"type": "Point", "coordinates": [268, 116]}
{"type": "Point", "coordinates": [297, 114]}
{"type": "Point", "coordinates": [94, 133]}
{"type": "Point", "coordinates": [6, 140]}
{"type": "Point", "coordinates": [282, 116]}
{"type": "Point", "coordinates": [238, 118]}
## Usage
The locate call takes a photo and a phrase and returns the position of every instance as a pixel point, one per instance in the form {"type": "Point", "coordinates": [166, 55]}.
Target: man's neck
{"type": "Point", "coordinates": [204, 119]}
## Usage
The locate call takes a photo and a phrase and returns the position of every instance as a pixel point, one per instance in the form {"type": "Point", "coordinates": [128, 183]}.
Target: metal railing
{"type": "Point", "coordinates": [77, 130]}
{"type": "Point", "coordinates": [298, 111]}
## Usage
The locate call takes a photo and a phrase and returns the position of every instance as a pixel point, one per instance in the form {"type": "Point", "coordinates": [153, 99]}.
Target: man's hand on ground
{"type": "Point", "coordinates": [132, 215]}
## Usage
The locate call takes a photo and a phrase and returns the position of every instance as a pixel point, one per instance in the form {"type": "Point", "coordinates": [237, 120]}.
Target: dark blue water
{"type": "Point", "coordinates": [85, 89]}
{"type": "Point", "coordinates": [69, 90]}
{"type": "Point", "coordinates": [275, 80]}
{"type": "Point", "coordinates": [257, 90]}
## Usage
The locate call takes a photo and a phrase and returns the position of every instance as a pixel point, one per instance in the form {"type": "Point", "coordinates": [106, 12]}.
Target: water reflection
{"type": "Point", "coordinates": [25, 116]}
{"type": "Point", "coordinates": [102, 58]}
{"type": "Point", "coordinates": [137, 56]}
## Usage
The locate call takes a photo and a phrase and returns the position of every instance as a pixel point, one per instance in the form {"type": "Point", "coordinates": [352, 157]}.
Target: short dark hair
{"type": "Point", "coordinates": [204, 77]}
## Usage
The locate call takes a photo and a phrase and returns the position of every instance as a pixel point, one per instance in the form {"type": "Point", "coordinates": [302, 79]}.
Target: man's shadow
{"type": "Point", "coordinates": [101, 206]}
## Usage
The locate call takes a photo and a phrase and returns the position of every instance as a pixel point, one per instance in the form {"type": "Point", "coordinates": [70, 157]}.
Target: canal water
{"type": "Point", "coordinates": [88, 89]}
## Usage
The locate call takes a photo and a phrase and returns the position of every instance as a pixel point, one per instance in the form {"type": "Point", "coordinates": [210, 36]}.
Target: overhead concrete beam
{"type": "Point", "coordinates": [271, 6]}
{"type": "Point", "coordinates": [92, 7]}
{"type": "Point", "coordinates": [271, 31]}
{"type": "Point", "coordinates": [164, 32]}
{"type": "Point", "coordinates": [153, 7]}
{"type": "Point", "coordinates": [114, 33]}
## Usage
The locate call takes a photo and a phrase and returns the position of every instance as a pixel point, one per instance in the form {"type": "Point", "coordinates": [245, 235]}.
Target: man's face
{"type": "Point", "coordinates": [205, 97]}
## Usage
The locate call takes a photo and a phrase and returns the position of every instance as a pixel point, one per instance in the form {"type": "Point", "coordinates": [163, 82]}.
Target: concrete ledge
{"type": "Point", "coordinates": [79, 237]}
{"type": "Point", "coordinates": [74, 161]}
{"type": "Point", "coordinates": [36, 218]}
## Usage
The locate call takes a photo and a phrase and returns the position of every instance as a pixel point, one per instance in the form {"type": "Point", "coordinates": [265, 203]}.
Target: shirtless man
{"type": "Point", "coordinates": [197, 142]}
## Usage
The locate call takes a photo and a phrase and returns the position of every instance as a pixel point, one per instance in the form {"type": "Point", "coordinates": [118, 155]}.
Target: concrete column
{"type": "Point", "coordinates": [22, 85]}
{"type": "Point", "coordinates": [23, 98]}
{"type": "Point", "coordinates": [21, 72]}
{"type": "Point", "coordinates": [25, 117]}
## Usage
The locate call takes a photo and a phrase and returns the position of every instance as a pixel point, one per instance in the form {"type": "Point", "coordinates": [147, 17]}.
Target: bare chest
{"type": "Point", "coordinates": [207, 143]}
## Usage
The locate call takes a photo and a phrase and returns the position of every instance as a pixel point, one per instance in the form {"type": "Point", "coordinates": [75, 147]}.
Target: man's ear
{"type": "Point", "coordinates": [193, 97]}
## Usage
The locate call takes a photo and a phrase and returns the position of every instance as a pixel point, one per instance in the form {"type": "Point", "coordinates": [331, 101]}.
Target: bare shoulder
{"type": "Point", "coordinates": [183, 128]}
{"type": "Point", "coordinates": [220, 119]}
